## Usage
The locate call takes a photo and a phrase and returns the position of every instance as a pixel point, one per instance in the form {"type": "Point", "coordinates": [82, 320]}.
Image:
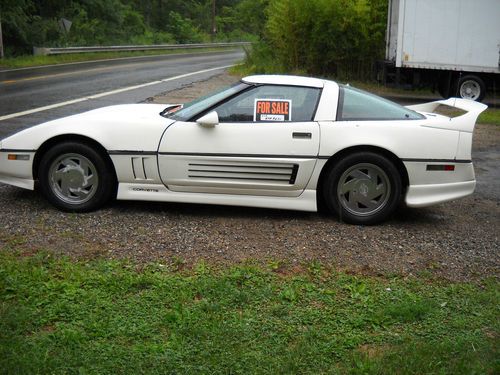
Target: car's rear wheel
{"type": "Point", "coordinates": [363, 188]}
{"type": "Point", "coordinates": [75, 177]}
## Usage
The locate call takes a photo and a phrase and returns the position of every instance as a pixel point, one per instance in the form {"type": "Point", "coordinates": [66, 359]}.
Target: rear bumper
{"type": "Point", "coordinates": [430, 194]}
{"type": "Point", "coordinates": [429, 186]}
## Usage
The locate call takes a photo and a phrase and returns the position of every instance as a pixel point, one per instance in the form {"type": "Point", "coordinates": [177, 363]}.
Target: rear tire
{"type": "Point", "coordinates": [363, 188]}
{"type": "Point", "coordinates": [75, 177]}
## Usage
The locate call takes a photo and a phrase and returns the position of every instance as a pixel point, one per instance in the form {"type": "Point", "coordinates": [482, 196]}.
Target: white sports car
{"type": "Point", "coordinates": [281, 142]}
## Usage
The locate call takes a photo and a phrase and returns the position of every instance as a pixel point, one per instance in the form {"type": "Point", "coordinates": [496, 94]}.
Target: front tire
{"type": "Point", "coordinates": [363, 188]}
{"type": "Point", "coordinates": [75, 177]}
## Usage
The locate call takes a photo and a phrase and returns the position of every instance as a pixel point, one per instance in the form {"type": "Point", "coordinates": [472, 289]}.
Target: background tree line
{"type": "Point", "coordinates": [28, 23]}
{"type": "Point", "coordinates": [319, 37]}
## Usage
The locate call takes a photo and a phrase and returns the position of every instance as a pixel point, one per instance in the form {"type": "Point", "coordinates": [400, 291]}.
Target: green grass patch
{"type": "Point", "coordinates": [490, 116]}
{"type": "Point", "coordinates": [102, 317]}
{"type": "Point", "coordinates": [30, 61]}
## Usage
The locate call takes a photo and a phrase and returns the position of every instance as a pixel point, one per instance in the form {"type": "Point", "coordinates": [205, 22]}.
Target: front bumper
{"type": "Point", "coordinates": [17, 172]}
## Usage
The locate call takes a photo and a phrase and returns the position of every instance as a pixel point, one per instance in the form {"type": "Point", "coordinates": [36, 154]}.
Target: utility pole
{"type": "Point", "coordinates": [1, 38]}
{"type": "Point", "coordinates": [214, 27]}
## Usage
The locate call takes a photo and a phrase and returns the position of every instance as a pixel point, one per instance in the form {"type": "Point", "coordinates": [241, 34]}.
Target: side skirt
{"type": "Point", "coordinates": [159, 193]}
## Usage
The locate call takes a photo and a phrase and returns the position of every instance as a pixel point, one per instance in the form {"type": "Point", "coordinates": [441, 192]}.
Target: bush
{"type": "Point", "coordinates": [322, 37]}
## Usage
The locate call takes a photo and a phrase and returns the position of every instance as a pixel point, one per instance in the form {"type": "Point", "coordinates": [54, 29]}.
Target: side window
{"type": "Point", "coordinates": [270, 103]}
{"type": "Point", "coordinates": [359, 105]}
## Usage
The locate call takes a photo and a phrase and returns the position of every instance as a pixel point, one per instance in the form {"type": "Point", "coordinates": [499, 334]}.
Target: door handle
{"type": "Point", "coordinates": [301, 135]}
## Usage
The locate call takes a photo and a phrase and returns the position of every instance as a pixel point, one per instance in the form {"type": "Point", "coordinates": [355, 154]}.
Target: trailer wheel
{"type": "Point", "coordinates": [471, 87]}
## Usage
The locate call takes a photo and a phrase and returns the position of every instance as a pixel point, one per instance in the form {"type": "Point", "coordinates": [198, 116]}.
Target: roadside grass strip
{"type": "Point", "coordinates": [104, 317]}
{"type": "Point", "coordinates": [31, 61]}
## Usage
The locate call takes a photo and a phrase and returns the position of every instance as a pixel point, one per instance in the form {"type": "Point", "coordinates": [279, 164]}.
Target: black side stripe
{"type": "Point", "coordinates": [126, 152]}
{"type": "Point", "coordinates": [451, 161]}
{"type": "Point", "coordinates": [321, 157]}
{"type": "Point", "coordinates": [239, 155]}
{"type": "Point", "coordinates": [15, 150]}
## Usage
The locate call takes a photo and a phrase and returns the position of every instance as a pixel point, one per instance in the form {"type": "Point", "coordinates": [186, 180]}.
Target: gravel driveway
{"type": "Point", "coordinates": [457, 240]}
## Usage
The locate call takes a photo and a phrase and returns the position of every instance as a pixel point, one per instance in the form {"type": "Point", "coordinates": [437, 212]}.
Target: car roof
{"type": "Point", "coordinates": [284, 80]}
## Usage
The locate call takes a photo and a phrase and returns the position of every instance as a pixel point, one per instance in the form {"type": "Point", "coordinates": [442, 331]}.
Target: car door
{"type": "Point", "coordinates": [265, 143]}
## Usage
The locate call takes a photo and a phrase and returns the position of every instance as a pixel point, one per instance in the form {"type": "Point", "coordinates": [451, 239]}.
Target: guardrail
{"type": "Point", "coordinates": [60, 51]}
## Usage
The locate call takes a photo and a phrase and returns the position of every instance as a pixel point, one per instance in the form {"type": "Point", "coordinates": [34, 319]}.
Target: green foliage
{"type": "Point", "coordinates": [183, 29]}
{"type": "Point", "coordinates": [323, 37]}
{"type": "Point", "coordinates": [246, 18]}
{"type": "Point", "coordinates": [101, 317]}
{"type": "Point", "coordinates": [30, 23]}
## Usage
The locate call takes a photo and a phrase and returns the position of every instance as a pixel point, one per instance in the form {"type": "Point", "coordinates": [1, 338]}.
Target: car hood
{"type": "Point", "coordinates": [125, 114]}
{"type": "Point", "coordinates": [136, 127]}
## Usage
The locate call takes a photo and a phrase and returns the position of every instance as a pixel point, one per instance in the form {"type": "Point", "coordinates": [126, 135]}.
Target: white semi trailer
{"type": "Point", "coordinates": [452, 46]}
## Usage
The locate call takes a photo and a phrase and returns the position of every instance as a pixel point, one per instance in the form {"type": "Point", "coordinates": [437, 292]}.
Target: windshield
{"type": "Point", "coordinates": [201, 104]}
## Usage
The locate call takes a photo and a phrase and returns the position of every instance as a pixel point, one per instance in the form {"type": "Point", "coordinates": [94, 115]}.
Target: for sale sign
{"type": "Point", "coordinates": [272, 110]}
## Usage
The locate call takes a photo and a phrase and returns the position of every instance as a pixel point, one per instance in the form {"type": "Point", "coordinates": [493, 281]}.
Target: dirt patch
{"type": "Point", "coordinates": [486, 137]}
{"type": "Point", "coordinates": [195, 90]}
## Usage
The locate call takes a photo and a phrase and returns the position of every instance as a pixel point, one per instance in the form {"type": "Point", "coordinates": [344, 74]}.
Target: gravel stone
{"type": "Point", "coordinates": [456, 240]}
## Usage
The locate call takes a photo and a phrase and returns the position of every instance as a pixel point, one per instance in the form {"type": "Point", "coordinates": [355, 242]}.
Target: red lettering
{"type": "Point", "coordinates": [263, 107]}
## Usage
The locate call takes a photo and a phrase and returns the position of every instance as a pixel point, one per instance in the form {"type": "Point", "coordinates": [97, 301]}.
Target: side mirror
{"type": "Point", "coordinates": [209, 120]}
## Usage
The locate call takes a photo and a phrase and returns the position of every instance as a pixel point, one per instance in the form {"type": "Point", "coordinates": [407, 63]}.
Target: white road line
{"type": "Point", "coordinates": [103, 94]}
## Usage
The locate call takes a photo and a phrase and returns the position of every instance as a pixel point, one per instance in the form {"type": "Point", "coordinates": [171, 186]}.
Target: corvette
{"type": "Point", "coordinates": [282, 142]}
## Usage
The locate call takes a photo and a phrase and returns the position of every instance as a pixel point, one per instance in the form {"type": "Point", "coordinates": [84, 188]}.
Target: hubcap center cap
{"type": "Point", "coordinates": [363, 189]}
{"type": "Point", "coordinates": [75, 177]}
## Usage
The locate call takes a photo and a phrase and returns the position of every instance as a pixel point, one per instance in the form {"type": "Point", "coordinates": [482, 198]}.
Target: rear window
{"type": "Point", "coordinates": [355, 104]}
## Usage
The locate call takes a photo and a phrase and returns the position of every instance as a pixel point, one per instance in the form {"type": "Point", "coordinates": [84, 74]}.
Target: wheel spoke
{"type": "Point", "coordinates": [358, 174]}
{"type": "Point", "coordinates": [348, 186]}
{"type": "Point", "coordinates": [353, 201]}
{"type": "Point", "coordinates": [367, 202]}
{"type": "Point", "coordinates": [80, 193]}
{"type": "Point", "coordinates": [376, 191]}
{"type": "Point", "coordinates": [89, 180]}
{"type": "Point", "coordinates": [85, 166]}
{"type": "Point", "coordinates": [65, 186]}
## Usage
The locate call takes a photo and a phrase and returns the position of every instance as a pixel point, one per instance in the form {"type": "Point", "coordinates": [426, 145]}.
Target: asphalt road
{"type": "Point", "coordinates": [27, 89]}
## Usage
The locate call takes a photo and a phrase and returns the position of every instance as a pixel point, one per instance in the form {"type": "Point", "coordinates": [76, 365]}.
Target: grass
{"type": "Point", "coordinates": [102, 317]}
{"type": "Point", "coordinates": [30, 61]}
{"type": "Point", "coordinates": [490, 116]}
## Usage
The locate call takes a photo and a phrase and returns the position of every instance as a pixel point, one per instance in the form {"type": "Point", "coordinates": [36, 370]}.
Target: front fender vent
{"type": "Point", "coordinates": [143, 168]}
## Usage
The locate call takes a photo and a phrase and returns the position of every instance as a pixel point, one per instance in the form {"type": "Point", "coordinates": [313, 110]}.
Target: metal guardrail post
{"type": "Point", "coordinates": [60, 51]}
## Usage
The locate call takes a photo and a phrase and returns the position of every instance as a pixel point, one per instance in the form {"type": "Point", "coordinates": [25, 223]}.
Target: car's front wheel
{"type": "Point", "coordinates": [363, 188]}
{"type": "Point", "coordinates": [75, 177]}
